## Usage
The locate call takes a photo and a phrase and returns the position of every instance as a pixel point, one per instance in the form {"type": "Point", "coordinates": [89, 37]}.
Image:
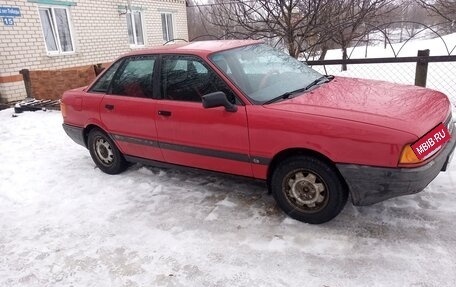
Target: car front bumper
{"type": "Point", "coordinates": [369, 185]}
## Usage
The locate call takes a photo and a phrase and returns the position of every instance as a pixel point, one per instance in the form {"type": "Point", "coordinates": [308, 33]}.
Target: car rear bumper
{"type": "Point", "coordinates": [75, 133]}
{"type": "Point", "coordinates": [369, 185]}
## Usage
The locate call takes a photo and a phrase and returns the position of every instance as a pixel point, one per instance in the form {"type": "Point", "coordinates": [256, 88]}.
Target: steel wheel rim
{"type": "Point", "coordinates": [305, 190]}
{"type": "Point", "coordinates": [104, 152]}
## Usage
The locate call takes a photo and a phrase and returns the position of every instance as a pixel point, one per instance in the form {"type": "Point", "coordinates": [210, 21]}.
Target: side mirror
{"type": "Point", "coordinates": [218, 99]}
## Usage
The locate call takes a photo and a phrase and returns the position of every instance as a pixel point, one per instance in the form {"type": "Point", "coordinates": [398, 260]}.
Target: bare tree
{"type": "Point", "coordinates": [350, 20]}
{"type": "Point", "coordinates": [302, 26]}
{"type": "Point", "coordinates": [411, 15]}
{"type": "Point", "coordinates": [295, 23]}
{"type": "Point", "coordinates": [443, 8]}
{"type": "Point", "coordinates": [198, 26]}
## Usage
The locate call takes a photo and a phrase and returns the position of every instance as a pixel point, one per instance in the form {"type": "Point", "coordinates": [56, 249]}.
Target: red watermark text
{"type": "Point", "coordinates": [431, 141]}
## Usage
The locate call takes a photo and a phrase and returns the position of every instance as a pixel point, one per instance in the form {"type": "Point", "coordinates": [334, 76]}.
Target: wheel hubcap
{"type": "Point", "coordinates": [305, 189]}
{"type": "Point", "coordinates": [104, 151]}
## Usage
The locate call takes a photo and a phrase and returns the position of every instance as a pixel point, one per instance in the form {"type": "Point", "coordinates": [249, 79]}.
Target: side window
{"type": "Point", "coordinates": [55, 23]}
{"type": "Point", "coordinates": [102, 85]}
{"type": "Point", "coordinates": [186, 78]}
{"type": "Point", "coordinates": [135, 28]}
{"type": "Point", "coordinates": [135, 77]}
{"type": "Point", "coordinates": [167, 26]}
{"type": "Point", "coordinates": [200, 69]}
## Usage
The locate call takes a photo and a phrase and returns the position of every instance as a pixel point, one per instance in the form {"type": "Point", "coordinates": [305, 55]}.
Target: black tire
{"type": "Point", "coordinates": [308, 189]}
{"type": "Point", "coordinates": [105, 153]}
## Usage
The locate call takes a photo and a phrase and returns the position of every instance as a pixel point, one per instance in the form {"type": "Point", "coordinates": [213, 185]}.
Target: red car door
{"type": "Point", "coordinates": [191, 135]}
{"type": "Point", "coordinates": [129, 110]}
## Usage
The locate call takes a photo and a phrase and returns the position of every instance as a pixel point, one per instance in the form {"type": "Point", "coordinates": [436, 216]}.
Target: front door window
{"type": "Point", "coordinates": [186, 78]}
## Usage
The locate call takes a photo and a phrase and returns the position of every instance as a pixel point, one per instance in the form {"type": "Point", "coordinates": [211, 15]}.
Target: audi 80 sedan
{"type": "Point", "coordinates": [244, 108]}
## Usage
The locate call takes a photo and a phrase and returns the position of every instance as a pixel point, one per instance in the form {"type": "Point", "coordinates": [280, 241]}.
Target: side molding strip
{"type": "Point", "coordinates": [194, 150]}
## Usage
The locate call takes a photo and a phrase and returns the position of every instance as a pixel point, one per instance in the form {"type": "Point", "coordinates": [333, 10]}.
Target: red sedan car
{"type": "Point", "coordinates": [244, 108]}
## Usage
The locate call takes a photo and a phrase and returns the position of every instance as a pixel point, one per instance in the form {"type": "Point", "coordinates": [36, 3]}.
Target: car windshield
{"type": "Point", "coordinates": [264, 73]}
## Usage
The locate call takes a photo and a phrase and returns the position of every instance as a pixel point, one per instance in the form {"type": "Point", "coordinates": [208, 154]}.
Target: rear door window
{"type": "Point", "coordinates": [102, 85]}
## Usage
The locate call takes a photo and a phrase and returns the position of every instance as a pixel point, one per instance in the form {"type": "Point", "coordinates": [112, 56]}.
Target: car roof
{"type": "Point", "coordinates": [201, 48]}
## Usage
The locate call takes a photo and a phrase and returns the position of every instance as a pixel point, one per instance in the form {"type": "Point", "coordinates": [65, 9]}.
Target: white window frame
{"type": "Point", "coordinates": [167, 28]}
{"type": "Point", "coordinates": [55, 33]}
{"type": "Point", "coordinates": [133, 27]}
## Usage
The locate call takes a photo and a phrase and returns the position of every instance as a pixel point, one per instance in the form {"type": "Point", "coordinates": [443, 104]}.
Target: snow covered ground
{"type": "Point", "coordinates": [65, 223]}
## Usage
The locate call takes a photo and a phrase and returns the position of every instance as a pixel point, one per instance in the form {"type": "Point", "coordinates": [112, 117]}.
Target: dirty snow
{"type": "Point", "coordinates": [65, 223]}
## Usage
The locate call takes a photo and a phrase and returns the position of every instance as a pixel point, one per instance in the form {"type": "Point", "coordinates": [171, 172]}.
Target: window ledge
{"type": "Point", "coordinates": [53, 55]}
{"type": "Point", "coordinates": [134, 46]}
{"type": "Point", "coordinates": [53, 2]}
{"type": "Point", "coordinates": [123, 8]}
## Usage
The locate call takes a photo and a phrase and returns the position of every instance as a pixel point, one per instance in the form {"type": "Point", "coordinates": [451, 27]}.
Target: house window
{"type": "Point", "coordinates": [167, 26]}
{"type": "Point", "coordinates": [55, 23]}
{"type": "Point", "coordinates": [135, 28]}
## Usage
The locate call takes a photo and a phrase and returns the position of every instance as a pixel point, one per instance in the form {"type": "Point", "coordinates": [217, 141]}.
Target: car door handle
{"type": "Point", "coordinates": [109, 107]}
{"type": "Point", "coordinates": [164, 113]}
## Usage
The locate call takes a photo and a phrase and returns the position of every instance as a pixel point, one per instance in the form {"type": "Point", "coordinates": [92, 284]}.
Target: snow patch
{"type": "Point", "coordinates": [64, 223]}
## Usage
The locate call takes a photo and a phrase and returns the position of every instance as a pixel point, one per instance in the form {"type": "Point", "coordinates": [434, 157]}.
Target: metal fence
{"type": "Point", "coordinates": [435, 72]}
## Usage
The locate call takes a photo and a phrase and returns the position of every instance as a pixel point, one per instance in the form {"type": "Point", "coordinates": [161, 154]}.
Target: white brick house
{"type": "Point", "coordinates": [55, 34]}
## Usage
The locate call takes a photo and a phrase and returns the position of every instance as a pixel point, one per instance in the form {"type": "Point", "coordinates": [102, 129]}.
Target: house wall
{"type": "Point", "coordinates": [50, 85]}
{"type": "Point", "coordinates": [99, 33]}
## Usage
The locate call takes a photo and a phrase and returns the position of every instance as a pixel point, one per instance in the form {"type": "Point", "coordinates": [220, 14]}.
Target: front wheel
{"type": "Point", "coordinates": [308, 189]}
{"type": "Point", "coordinates": [104, 153]}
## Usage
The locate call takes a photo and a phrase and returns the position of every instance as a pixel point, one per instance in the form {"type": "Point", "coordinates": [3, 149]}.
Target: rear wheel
{"type": "Point", "coordinates": [308, 189]}
{"type": "Point", "coordinates": [104, 152]}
